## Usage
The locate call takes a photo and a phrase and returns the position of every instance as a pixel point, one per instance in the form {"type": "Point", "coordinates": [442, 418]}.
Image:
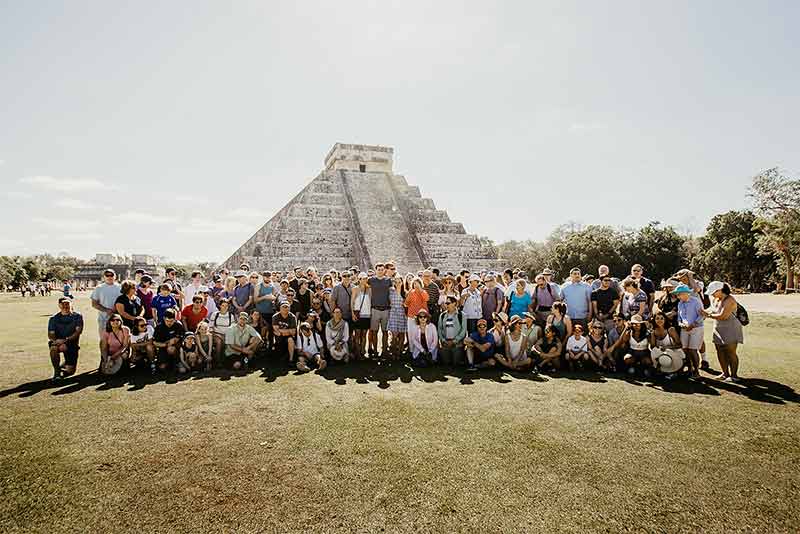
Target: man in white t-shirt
{"type": "Point", "coordinates": [192, 289]}
{"type": "Point", "coordinates": [103, 298]}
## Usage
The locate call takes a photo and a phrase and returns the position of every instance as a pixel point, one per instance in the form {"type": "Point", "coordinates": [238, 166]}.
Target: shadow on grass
{"type": "Point", "coordinates": [384, 373]}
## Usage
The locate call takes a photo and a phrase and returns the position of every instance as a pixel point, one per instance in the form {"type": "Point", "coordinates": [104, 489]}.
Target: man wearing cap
{"type": "Point", "coordinates": [208, 302]}
{"type": "Point", "coordinates": [218, 289]}
{"type": "Point", "coordinates": [284, 329]}
{"type": "Point", "coordinates": [492, 298]}
{"type": "Point", "coordinates": [605, 300]}
{"type": "Point", "coordinates": [242, 293]}
{"type": "Point", "coordinates": [690, 320]}
{"type": "Point", "coordinates": [64, 330]}
{"type": "Point", "coordinates": [578, 296]}
{"type": "Point", "coordinates": [167, 339]}
{"type": "Point", "coordinates": [472, 304]}
{"type": "Point", "coordinates": [309, 348]}
{"type": "Point", "coordinates": [452, 329]}
{"type": "Point", "coordinates": [379, 318]}
{"type": "Point", "coordinates": [241, 342]}
{"type": "Point", "coordinates": [548, 278]}
{"type": "Point", "coordinates": [104, 297]}
{"type": "Point", "coordinates": [480, 347]}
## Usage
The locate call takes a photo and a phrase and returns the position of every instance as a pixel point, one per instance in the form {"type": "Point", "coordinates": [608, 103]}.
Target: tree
{"type": "Point", "coordinates": [776, 199]}
{"type": "Point", "coordinates": [729, 251]}
{"type": "Point", "coordinates": [659, 249]}
{"type": "Point", "coordinates": [33, 269]}
{"type": "Point", "coordinates": [528, 255]}
{"type": "Point", "coordinates": [587, 249]}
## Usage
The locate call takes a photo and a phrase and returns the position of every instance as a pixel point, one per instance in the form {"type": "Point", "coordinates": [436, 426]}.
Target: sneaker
{"type": "Point", "coordinates": [152, 368]}
{"type": "Point", "coordinates": [631, 371]}
{"type": "Point", "coordinates": [303, 367]}
{"type": "Point", "coordinates": [647, 373]}
{"type": "Point", "coordinates": [729, 380]}
{"type": "Point", "coordinates": [56, 376]}
{"type": "Point", "coordinates": [736, 380]}
{"type": "Point", "coordinates": [535, 370]}
{"type": "Point", "coordinates": [471, 367]}
{"type": "Point", "coordinates": [704, 366]}
{"type": "Point", "coordinates": [245, 362]}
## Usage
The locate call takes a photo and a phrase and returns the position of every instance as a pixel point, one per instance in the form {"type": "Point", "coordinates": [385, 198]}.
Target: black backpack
{"type": "Point", "coordinates": [741, 315]}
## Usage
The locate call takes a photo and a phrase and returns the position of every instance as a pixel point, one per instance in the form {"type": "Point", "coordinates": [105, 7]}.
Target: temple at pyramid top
{"type": "Point", "coordinates": [358, 212]}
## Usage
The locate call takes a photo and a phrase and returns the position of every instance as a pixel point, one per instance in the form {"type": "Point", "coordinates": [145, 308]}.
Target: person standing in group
{"type": "Point", "coordinates": [577, 294]}
{"type": "Point", "coordinates": [128, 305]}
{"type": "Point", "coordinates": [432, 288]}
{"type": "Point", "coordinates": [634, 300]}
{"type": "Point", "coordinates": [104, 298]}
{"type": "Point", "coordinates": [690, 321]}
{"type": "Point", "coordinates": [361, 304]}
{"type": "Point", "coordinates": [264, 300]}
{"type": "Point", "coordinates": [605, 300]}
{"type": "Point", "coordinates": [728, 334]}
{"type": "Point", "coordinates": [519, 300]}
{"type": "Point", "coordinates": [242, 293]}
{"type": "Point", "coordinates": [398, 325]}
{"type": "Point", "coordinates": [380, 286]}
{"type": "Point", "coordinates": [64, 330]}
{"type": "Point", "coordinates": [548, 278]}
{"type": "Point", "coordinates": [146, 294]}
{"type": "Point", "coordinates": [542, 298]}
{"type": "Point", "coordinates": [416, 300]}
{"type": "Point", "coordinates": [193, 288]}
{"type": "Point", "coordinates": [472, 303]}
{"type": "Point", "coordinates": [174, 286]}
{"type": "Point", "coordinates": [340, 297]}
{"type": "Point", "coordinates": [644, 283]}
{"type": "Point", "coordinates": [492, 298]}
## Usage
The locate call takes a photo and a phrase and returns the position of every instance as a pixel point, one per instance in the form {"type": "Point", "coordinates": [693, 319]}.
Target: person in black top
{"type": "Point", "coordinates": [128, 305]}
{"type": "Point", "coordinates": [645, 284]}
{"type": "Point", "coordinates": [64, 329]}
{"type": "Point", "coordinates": [167, 339]}
{"type": "Point", "coordinates": [284, 328]}
{"type": "Point", "coordinates": [605, 301]}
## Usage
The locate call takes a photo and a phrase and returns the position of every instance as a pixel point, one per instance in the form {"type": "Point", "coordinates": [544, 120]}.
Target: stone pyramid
{"type": "Point", "coordinates": [358, 212]}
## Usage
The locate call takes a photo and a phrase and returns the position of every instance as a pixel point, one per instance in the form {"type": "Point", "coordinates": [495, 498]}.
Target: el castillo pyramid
{"type": "Point", "coordinates": [358, 212]}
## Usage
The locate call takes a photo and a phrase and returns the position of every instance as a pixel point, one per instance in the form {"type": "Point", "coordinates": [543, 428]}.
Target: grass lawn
{"type": "Point", "coordinates": [368, 448]}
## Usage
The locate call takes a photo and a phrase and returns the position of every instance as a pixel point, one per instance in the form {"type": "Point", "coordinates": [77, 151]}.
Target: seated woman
{"type": "Point", "coordinates": [309, 349]}
{"type": "Point", "coordinates": [577, 352]}
{"type": "Point", "coordinates": [636, 345]}
{"type": "Point", "coordinates": [142, 343]}
{"type": "Point", "coordinates": [665, 346]}
{"type": "Point", "coordinates": [560, 321]}
{"type": "Point", "coordinates": [531, 330]}
{"type": "Point", "coordinates": [218, 324]}
{"type": "Point", "coordinates": [190, 359]}
{"type": "Point", "coordinates": [548, 350]}
{"type": "Point", "coordinates": [598, 347]}
{"type": "Point", "coordinates": [115, 345]}
{"type": "Point", "coordinates": [205, 344]}
{"type": "Point", "coordinates": [337, 334]}
{"type": "Point", "coordinates": [516, 344]}
{"type": "Point", "coordinates": [498, 330]}
{"type": "Point", "coordinates": [424, 340]}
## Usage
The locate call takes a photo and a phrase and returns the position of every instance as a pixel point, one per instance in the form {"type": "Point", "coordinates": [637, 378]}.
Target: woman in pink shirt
{"type": "Point", "coordinates": [115, 345]}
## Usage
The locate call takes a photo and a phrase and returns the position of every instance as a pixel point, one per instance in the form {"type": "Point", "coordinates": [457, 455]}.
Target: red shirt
{"type": "Point", "coordinates": [190, 319]}
{"type": "Point", "coordinates": [416, 300]}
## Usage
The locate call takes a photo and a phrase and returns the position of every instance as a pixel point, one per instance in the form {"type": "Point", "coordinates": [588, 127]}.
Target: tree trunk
{"type": "Point", "coordinates": [789, 272]}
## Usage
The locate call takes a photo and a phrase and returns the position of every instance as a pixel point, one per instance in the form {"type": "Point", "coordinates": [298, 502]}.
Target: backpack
{"type": "Point", "coordinates": [741, 315]}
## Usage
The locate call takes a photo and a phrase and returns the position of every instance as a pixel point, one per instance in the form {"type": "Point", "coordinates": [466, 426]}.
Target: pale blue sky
{"type": "Point", "coordinates": [599, 112]}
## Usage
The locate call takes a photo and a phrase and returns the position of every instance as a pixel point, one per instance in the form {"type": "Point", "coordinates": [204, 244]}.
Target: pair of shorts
{"type": "Point", "coordinates": [71, 355]}
{"type": "Point", "coordinates": [379, 320]}
{"type": "Point", "coordinates": [693, 339]}
{"type": "Point", "coordinates": [362, 323]}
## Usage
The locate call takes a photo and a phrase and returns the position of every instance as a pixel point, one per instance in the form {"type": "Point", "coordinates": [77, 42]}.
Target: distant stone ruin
{"type": "Point", "coordinates": [358, 212]}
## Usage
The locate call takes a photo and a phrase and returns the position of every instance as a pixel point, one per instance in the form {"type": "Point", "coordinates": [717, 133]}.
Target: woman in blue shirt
{"type": "Point", "coordinates": [519, 301]}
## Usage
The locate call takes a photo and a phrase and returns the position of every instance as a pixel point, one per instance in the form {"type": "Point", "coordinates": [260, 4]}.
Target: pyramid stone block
{"type": "Point", "coordinates": [358, 212]}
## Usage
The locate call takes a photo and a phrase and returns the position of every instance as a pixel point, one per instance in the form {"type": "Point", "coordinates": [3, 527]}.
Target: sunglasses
{"type": "Point", "coordinates": [197, 300]}
{"type": "Point", "coordinates": [116, 320]}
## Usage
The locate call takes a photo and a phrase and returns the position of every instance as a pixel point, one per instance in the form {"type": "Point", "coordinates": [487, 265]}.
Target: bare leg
{"type": "Point", "coordinates": [55, 359]}
{"type": "Point", "coordinates": [733, 359]}
{"type": "Point", "coordinates": [722, 356]}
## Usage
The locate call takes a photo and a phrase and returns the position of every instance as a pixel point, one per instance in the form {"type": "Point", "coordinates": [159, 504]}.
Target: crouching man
{"type": "Point", "coordinates": [309, 349]}
{"type": "Point", "coordinates": [241, 342]}
{"type": "Point", "coordinates": [64, 330]}
{"type": "Point", "coordinates": [167, 339]}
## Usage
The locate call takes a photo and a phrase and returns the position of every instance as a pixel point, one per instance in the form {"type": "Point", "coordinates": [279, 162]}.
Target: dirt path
{"type": "Point", "coordinates": [769, 303]}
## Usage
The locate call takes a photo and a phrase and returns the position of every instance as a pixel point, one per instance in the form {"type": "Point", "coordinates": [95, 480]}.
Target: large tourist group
{"type": "Point", "coordinates": [309, 320]}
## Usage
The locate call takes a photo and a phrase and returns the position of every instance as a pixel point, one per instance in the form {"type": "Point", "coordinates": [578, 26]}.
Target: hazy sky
{"type": "Point", "coordinates": [179, 128]}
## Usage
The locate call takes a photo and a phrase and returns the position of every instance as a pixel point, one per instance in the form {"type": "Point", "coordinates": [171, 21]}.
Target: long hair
{"type": "Point", "coordinates": [110, 318]}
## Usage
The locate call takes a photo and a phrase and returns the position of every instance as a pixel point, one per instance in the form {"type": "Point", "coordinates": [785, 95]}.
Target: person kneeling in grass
{"type": "Point", "coordinates": [309, 349]}
{"type": "Point", "coordinates": [516, 356]}
{"type": "Point", "coordinates": [190, 359]}
{"type": "Point", "coordinates": [167, 339]}
{"type": "Point", "coordinates": [548, 350]}
{"type": "Point", "coordinates": [115, 345]}
{"type": "Point", "coordinates": [337, 333]}
{"type": "Point", "coordinates": [577, 348]}
{"type": "Point", "coordinates": [480, 347]}
{"type": "Point", "coordinates": [205, 344]}
{"type": "Point", "coordinates": [64, 330]}
{"type": "Point", "coordinates": [241, 342]}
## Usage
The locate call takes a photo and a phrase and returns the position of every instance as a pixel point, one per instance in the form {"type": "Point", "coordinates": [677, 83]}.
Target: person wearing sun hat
{"type": "Point", "coordinates": [309, 348]}
{"type": "Point", "coordinates": [690, 321]}
{"type": "Point", "coordinates": [665, 346]}
{"type": "Point", "coordinates": [636, 346]}
{"type": "Point", "coordinates": [472, 303]}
